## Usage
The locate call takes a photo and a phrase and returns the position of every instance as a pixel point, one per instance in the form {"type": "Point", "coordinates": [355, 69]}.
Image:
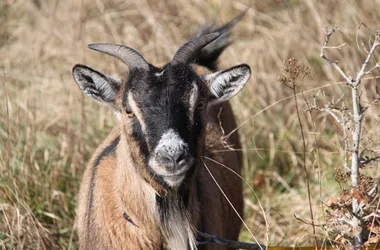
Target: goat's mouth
{"type": "Point", "coordinates": [172, 173]}
{"type": "Point", "coordinates": [173, 180]}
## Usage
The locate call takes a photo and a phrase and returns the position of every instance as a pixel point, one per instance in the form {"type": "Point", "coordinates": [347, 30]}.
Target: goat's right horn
{"type": "Point", "coordinates": [188, 51]}
{"type": "Point", "coordinates": [127, 55]}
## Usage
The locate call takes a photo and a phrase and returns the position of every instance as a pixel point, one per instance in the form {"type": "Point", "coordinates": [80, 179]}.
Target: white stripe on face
{"type": "Point", "coordinates": [193, 99]}
{"type": "Point", "coordinates": [136, 111]}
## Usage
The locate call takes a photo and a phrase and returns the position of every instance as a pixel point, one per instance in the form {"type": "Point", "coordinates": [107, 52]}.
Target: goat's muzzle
{"type": "Point", "coordinates": [171, 159]}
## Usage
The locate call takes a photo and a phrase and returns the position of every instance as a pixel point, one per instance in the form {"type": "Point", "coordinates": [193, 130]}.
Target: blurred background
{"type": "Point", "coordinates": [48, 129]}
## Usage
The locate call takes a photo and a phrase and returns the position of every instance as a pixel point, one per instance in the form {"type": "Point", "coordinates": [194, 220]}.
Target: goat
{"type": "Point", "coordinates": [146, 186]}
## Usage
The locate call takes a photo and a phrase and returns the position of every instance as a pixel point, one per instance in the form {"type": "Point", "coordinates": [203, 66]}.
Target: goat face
{"type": "Point", "coordinates": [166, 113]}
{"type": "Point", "coordinates": [164, 109]}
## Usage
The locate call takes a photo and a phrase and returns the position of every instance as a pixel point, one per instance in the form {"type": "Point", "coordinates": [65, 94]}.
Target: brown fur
{"type": "Point", "coordinates": [118, 187]}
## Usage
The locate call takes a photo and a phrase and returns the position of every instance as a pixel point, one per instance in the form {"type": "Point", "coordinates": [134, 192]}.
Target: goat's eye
{"type": "Point", "coordinates": [130, 114]}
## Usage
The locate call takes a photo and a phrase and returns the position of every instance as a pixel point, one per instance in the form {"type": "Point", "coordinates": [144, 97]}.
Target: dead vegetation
{"type": "Point", "coordinates": [45, 138]}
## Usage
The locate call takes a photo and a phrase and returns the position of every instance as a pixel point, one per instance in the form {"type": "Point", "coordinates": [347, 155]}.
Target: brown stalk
{"type": "Point", "coordinates": [304, 165]}
{"type": "Point", "coordinates": [291, 72]}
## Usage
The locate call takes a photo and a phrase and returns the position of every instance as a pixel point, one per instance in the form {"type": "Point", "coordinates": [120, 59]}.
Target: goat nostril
{"type": "Point", "coordinates": [173, 157]}
{"type": "Point", "coordinates": [164, 156]}
{"type": "Point", "coordinates": [167, 157]}
{"type": "Point", "coordinates": [179, 156]}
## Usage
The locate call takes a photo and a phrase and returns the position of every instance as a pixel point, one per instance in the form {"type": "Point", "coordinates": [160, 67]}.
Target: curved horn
{"type": "Point", "coordinates": [187, 51]}
{"type": "Point", "coordinates": [127, 55]}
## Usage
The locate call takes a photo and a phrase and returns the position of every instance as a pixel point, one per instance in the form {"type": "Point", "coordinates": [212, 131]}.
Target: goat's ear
{"type": "Point", "coordinates": [226, 83]}
{"type": "Point", "coordinates": [101, 87]}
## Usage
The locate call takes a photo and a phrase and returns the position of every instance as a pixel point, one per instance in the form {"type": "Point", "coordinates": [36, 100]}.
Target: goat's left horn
{"type": "Point", "coordinates": [188, 51]}
{"type": "Point", "coordinates": [127, 55]}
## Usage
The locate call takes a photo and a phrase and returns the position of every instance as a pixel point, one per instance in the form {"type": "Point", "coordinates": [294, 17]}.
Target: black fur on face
{"type": "Point", "coordinates": [169, 106]}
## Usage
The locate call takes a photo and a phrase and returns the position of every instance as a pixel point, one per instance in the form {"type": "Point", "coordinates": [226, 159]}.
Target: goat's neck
{"type": "Point", "coordinates": [171, 213]}
{"type": "Point", "coordinates": [135, 196]}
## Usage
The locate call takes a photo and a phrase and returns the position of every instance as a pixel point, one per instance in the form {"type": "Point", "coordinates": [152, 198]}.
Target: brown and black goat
{"type": "Point", "coordinates": [147, 186]}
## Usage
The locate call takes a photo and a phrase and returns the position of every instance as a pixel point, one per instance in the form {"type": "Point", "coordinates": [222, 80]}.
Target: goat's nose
{"type": "Point", "coordinates": [172, 158]}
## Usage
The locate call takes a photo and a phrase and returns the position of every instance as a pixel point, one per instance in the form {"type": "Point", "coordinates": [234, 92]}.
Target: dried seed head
{"type": "Point", "coordinates": [291, 71]}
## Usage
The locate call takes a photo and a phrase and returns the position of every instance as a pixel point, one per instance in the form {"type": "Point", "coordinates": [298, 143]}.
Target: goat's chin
{"type": "Point", "coordinates": [173, 177]}
{"type": "Point", "coordinates": [174, 181]}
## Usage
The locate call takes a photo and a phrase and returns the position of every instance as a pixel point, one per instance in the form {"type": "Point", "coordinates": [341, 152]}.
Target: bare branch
{"type": "Point", "coordinates": [362, 71]}
{"type": "Point", "coordinates": [377, 65]}
{"type": "Point", "coordinates": [329, 32]}
{"type": "Point", "coordinates": [373, 190]}
{"type": "Point", "coordinates": [357, 117]}
{"type": "Point", "coordinates": [335, 47]}
{"type": "Point", "coordinates": [357, 35]}
{"type": "Point", "coordinates": [371, 104]}
{"type": "Point", "coordinates": [375, 215]}
{"type": "Point", "coordinates": [365, 161]}
{"type": "Point", "coordinates": [328, 110]}
{"type": "Point", "coordinates": [308, 223]}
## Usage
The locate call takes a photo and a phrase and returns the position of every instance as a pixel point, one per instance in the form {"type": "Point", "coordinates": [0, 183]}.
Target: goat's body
{"type": "Point", "coordinates": [102, 202]}
{"type": "Point", "coordinates": [151, 184]}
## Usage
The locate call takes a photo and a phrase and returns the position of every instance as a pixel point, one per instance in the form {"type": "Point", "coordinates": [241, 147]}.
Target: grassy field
{"type": "Point", "coordinates": [48, 130]}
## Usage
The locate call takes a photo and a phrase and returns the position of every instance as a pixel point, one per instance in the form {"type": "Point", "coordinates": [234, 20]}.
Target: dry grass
{"type": "Point", "coordinates": [48, 130]}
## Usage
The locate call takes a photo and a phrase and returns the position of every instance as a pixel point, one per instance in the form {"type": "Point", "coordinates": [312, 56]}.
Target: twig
{"type": "Point", "coordinates": [362, 71]}
{"type": "Point", "coordinates": [377, 65]}
{"type": "Point", "coordinates": [329, 32]}
{"type": "Point", "coordinates": [308, 223]}
{"type": "Point", "coordinates": [216, 239]}
{"type": "Point", "coordinates": [373, 190]}
{"type": "Point", "coordinates": [366, 160]}
{"type": "Point", "coordinates": [330, 111]}
{"type": "Point", "coordinates": [339, 116]}
{"type": "Point", "coordinates": [375, 215]}
{"type": "Point", "coordinates": [335, 47]}
{"type": "Point", "coordinates": [377, 99]}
